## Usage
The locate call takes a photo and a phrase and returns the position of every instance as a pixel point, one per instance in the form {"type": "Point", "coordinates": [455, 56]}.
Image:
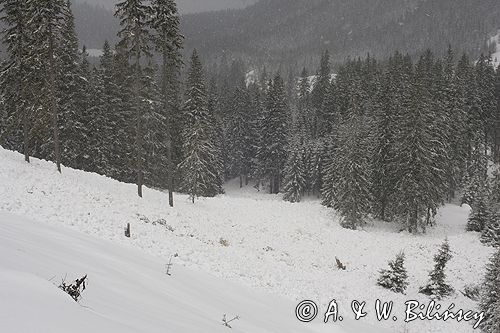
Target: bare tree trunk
{"type": "Point", "coordinates": [138, 124]}
{"type": "Point", "coordinates": [21, 91]}
{"type": "Point", "coordinates": [53, 102]}
{"type": "Point", "coordinates": [26, 135]}
{"type": "Point", "coordinates": [168, 125]}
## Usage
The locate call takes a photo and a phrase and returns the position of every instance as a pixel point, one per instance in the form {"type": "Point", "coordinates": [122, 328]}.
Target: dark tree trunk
{"type": "Point", "coordinates": [168, 125]}
{"type": "Point", "coordinates": [139, 137]}
{"type": "Point", "coordinates": [53, 102]}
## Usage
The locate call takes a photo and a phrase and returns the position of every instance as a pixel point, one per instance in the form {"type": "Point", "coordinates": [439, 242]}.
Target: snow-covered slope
{"type": "Point", "coordinates": [127, 291]}
{"type": "Point", "coordinates": [273, 246]}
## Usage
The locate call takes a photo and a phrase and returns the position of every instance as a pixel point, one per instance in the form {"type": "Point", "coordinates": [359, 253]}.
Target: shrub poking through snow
{"type": "Point", "coordinates": [127, 230]}
{"type": "Point", "coordinates": [395, 278]}
{"type": "Point", "coordinates": [437, 287]}
{"type": "Point", "coordinates": [74, 289]}
{"type": "Point", "coordinates": [224, 242]}
{"type": "Point", "coordinates": [340, 265]}
{"type": "Point", "coordinates": [226, 322]}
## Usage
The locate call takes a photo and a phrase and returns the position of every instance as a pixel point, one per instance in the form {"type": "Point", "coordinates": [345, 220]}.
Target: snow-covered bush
{"type": "Point", "coordinates": [395, 278]}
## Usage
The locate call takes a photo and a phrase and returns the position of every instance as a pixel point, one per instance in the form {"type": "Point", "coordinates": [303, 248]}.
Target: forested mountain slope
{"type": "Point", "coordinates": [285, 31]}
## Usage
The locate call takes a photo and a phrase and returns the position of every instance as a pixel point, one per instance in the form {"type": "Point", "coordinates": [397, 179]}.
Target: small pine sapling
{"type": "Point", "coordinates": [395, 278]}
{"type": "Point", "coordinates": [437, 287]}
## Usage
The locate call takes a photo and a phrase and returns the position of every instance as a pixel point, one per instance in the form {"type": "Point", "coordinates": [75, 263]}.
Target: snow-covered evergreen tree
{"type": "Point", "coordinates": [239, 135]}
{"type": "Point", "coordinates": [437, 286]}
{"type": "Point", "coordinates": [294, 184]}
{"type": "Point", "coordinates": [490, 298]}
{"type": "Point", "coordinates": [392, 101]}
{"type": "Point", "coordinates": [348, 173]}
{"type": "Point", "coordinates": [15, 75]}
{"type": "Point", "coordinates": [421, 157]}
{"type": "Point", "coordinates": [491, 232]}
{"type": "Point", "coordinates": [73, 95]}
{"type": "Point", "coordinates": [202, 166]}
{"type": "Point", "coordinates": [273, 129]}
{"type": "Point", "coordinates": [320, 91]}
{"type": "Point", "coordinates": [482, 213]}
{"type": "Point", "coordinates": [135, 43]}
{"type": "Point", "coordinates": [47, 29]}
{"type": "Point", "coordinates": [168, 42]}
{"type": "Point", "coordinates": [395, 278]}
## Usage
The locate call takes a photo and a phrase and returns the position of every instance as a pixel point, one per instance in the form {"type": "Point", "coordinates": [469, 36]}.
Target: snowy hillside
{"type": "Point", "coordinates": [244, 237]}
{"type": "Point", "coordinates": [127, 290]}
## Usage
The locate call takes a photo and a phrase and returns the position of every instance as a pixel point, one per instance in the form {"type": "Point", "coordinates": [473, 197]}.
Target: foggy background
{"type": "Point", "coordinates": [185, 6]}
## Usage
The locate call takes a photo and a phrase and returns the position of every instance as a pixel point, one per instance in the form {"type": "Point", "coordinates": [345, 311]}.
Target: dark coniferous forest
{"type": "Point", "coordinates": [391, 138]}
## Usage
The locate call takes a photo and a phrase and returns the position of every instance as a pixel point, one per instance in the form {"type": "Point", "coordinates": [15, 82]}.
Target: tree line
{"type": "Point", "coordinates": [391, 139]}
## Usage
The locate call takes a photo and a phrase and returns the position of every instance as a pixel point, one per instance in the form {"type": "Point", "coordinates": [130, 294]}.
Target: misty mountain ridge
{"type": "Point", "coordinates": [288, 32]}
{"type": "Point", "coordinates": [185, 6]}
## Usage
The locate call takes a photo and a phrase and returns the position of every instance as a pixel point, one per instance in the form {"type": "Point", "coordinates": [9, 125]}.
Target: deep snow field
{"type": "Point", "coordinates": [274, 247]}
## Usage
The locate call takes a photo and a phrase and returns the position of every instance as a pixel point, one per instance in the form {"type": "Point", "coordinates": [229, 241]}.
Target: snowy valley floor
{"type": "Point", "coordinates": [275, 247]}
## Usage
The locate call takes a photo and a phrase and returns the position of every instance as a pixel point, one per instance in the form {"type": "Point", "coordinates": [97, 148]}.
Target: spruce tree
{"type": "Point", "coordinates": [456, 125]}
{"type": "Point", "coordinates": [392, 100]}
{"type": "Point", "coordinates": [135, 41]}
{"type": "Point", "coordinates": [421, 157]}
{"type": "Point", "coordinates": [319, 93]}
{"type": "Point", "coordinates": [217, 132]}
{"type": "Point", "coordinates": [47, 25]}
{"type": "Point", "coordinates": [395, 278]}
{"type": "Point", "coordinates": [240, 134]}
{"type": "Point", "coordinates": [490, 298]}
{"type": "Point", "coordinates": [437, 286]}
{"type": "Point", "coordinates": [273, 129]}
{"type": "Point", "coordinates": [105, 106]}
{"type": "Point", "coordinates": [481, 214]}
{"type": "Point", "coordinates": [73, 95]}
{"type": "Point", "coordinates": [15, 76]}
{"type": "Point", "coordinates": [347, 180]}
{"type": "Point", "coordinates": [168, 42]}
{"type": "Point", "coordinates": [294, 174]}
{"type": "Point", "coordinates": [485, 106]}
{"type": "Point", "coordinates": [202, 167]}
{"type": "Point", "coordinates": [491, 232]}
{"type": "Point", "coordinates": [118, 85]}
